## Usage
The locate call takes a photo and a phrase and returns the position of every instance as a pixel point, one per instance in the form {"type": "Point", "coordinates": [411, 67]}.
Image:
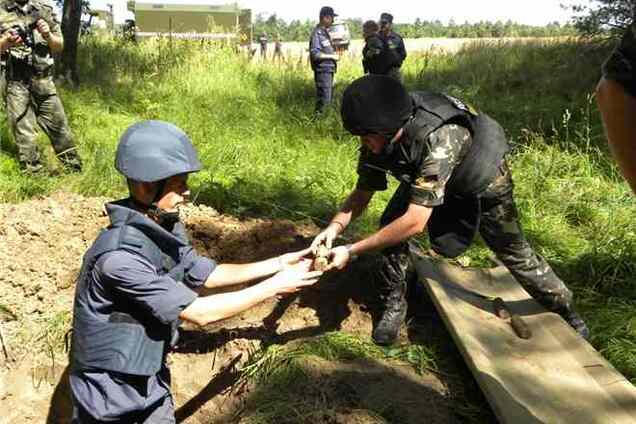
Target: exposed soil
{"type": "Point", "coordinates": [41, 245]}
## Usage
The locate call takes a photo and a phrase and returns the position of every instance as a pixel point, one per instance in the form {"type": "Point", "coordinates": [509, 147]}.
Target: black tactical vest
{"type": "Point", "coordinates": [453, 225]}
{"type": "Point", "coordinates": [126, 343]}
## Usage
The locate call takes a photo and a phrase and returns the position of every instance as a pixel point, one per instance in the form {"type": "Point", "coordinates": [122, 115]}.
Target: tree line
{"type": "Point", "coordinates": [297, 30]}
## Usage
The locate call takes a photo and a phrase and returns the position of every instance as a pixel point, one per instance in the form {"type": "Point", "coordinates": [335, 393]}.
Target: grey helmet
{"type": "Point", "coordinates": [151, 151]}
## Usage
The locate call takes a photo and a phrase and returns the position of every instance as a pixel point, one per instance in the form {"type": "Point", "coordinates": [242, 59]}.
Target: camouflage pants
{"type": "Point", "coordinates": [501, 230]}
{"type": "Point", "coordinates": [37, 103]}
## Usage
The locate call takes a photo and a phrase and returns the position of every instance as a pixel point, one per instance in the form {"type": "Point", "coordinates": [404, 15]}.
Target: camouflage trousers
{"type": "Point", "coordinates": [500, 229]}
{"type": "Point", "coordinates": [38, 103]}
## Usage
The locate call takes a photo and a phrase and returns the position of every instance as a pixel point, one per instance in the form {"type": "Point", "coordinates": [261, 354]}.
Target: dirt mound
{"type": "Point", "coordinates": [41, 245]}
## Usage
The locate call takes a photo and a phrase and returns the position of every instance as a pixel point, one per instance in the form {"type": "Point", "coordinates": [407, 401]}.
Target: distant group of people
{"type": "Point", "coordinates": [263, 41]}
{"type": "Point", "coordinates": [383, 53]}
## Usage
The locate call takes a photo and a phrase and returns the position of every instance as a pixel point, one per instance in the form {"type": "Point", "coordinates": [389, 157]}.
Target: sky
{"type": "Point", "coordinates": [537, 12]}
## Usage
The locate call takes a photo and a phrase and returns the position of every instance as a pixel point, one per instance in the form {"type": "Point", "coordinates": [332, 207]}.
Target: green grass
{"type": "Point", "coordinates": [265, 155]}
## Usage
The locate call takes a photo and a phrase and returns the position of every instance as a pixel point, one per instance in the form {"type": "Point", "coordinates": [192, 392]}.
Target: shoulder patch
{"type": "Point", "coordinates": [461, 105]}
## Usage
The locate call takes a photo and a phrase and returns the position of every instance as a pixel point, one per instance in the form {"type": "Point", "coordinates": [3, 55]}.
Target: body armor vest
{"type": "Point", "coordinates": [126, 342]}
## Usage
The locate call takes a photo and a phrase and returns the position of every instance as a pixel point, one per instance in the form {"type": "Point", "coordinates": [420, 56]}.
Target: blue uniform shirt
{"type": "Point", "coordinates": [123, 279]}
{"type": "Point", "coordinates": [319, 44]}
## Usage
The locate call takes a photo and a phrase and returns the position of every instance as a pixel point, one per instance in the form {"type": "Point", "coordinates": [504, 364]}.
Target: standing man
{"type": "Point", "coordinates": [262, 40]}
{"type": "Point", "coordinates": [454, 180]}
{"type": "Point", "coordinates": [140, 278]}
{"type": "Point", "coordinates": [30, 34]}
{"type": "Point", "coordinates": [394, 46]}
{"type": "Point", "coordinates": [616, 97]}
{"type": "Point", "coordinates": [323, 58]}
{"type": "Point", "coordinates": [278, 49]}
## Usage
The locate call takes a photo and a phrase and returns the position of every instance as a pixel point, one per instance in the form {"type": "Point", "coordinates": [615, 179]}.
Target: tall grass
{"type": "Point", "coordinates": [266, 154]}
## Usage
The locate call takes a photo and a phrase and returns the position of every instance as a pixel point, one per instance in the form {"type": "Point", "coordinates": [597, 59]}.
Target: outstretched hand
{"type": "Point", "coordinates": [290, 259]}
{"type": "Point", "coordinates": [293, 277]}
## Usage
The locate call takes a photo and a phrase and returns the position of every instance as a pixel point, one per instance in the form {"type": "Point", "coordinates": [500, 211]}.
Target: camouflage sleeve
{"type": "Point", "coordinates": [621, 65]}
{"type": "Point", "coordinates": [445, 146]}
{"type": "Point", "coordinates": [51, 18]}
{"type": "Point", "coordinates": [369, 178]}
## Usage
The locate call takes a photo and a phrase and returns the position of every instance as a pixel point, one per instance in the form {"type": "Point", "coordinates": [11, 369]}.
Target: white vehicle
{"type": "Point", "coordinates": [340, 36]}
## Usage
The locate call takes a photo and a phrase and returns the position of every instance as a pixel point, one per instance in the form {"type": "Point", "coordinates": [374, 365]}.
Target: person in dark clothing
{"type": "Point", "coordinates": [373, 48]}
{"type": "Point", "coordinates": [454, 180]}
{"type": "Point", "coordinates": [616, 98]}
{"type": "Point", "coordinates": [142, 276]}
{"type": "Point", "coordinates": [394, 45]}
{"type": "Point", "coordinates": [323, 58]}
{"type": "Point", "coordinates": [262, 41]}
{"type": "Point", "coordinates": [278, 49]}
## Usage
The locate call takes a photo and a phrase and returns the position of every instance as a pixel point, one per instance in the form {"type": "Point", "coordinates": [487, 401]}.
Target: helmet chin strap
{"type": "Point", "coordinates": [164, 218]}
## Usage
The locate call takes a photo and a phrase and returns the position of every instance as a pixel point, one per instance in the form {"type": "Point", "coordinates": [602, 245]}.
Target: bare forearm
{"type": "Point", "coordinates": [56, 43]}
{"type": "Point", "coordinates": [230, 274]}
{"type": "Point", "coordinates": [618, 110]}
{"type": "Point", "coordinates": [4, 44]}
{"type": "Point", "coordinates": [208, 309]}
{"type": "Point", "coordinates": [408, 225]}
{"type": "Point", "coordinates": [353, 207]}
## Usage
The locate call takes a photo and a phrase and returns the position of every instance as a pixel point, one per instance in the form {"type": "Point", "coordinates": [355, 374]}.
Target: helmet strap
{"type": "Point", "coordinates": [165, 219]}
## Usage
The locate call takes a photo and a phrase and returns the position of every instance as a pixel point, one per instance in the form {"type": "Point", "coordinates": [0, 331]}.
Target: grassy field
{"type": "Point", "coordinates": [266, 155]}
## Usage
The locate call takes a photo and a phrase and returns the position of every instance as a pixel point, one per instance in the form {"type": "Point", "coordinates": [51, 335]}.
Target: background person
{"type": "Point", "coordinates": [31, 35]}
{"type": "Point", "coordinates": [323, 58]}
{"type": "Point", "coordinates": [616, 98]}
{"type": "Point", "coordinates": [394, 46]}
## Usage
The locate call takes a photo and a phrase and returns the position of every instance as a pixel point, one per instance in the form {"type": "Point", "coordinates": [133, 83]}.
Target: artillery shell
{"type": "Point", "coordinates": [520, 327]}
{"type": "Point", "coordinates": [321, 261]}
{"type": "Point", "coordinates": [501, 310]}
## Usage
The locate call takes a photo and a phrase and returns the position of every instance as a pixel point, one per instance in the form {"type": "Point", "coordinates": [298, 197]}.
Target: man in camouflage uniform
{"type": "Point", "coordinates": [30, 33]}
{"type": "Point", "coordinates": [616, 97]}
{"type": "Point", "coordinates": [454, 180]}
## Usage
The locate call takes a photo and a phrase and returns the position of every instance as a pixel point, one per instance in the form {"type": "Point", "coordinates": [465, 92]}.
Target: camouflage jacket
{"type": "Point", "coordinates": [34, 56]}
{"type": "Point", "coordinates": [425, 158]}
{"type": "Point", "coordinates": [447, 148]}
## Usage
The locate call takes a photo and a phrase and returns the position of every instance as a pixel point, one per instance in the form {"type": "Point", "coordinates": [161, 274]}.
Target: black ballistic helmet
{"type": "Point", "coordinates": [151, 151]}
{"type": "Point", "coordinates": [375, 104]}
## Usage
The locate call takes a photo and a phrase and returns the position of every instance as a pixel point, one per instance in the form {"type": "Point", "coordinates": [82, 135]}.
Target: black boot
{"type": "Point", "coordinates": [71, 161]}
{"type": "Point", "coordinates": [571, 317]}
{"type": "Point", "coordinates": [393, 315]}
{"type": "Point", "coordinates": [32, 167]}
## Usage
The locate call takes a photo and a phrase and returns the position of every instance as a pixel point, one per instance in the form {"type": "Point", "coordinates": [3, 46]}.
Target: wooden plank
{"type": "Point", "coordinates": [554, 377]}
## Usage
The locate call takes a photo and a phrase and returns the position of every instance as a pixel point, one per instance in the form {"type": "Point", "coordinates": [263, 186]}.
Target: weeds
{"type": "Point", "coordinates": [265, 154]}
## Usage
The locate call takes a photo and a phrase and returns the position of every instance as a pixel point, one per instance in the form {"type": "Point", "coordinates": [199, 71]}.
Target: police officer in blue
{"type": "Point", "coordinates": [393, 45]}
{"type": "Point", "coordinates": [140, 278]}
{"type": "Point", "coordinates": [323, 58]}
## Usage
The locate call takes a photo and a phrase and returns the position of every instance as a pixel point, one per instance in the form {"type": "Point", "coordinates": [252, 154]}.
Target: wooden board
{"type": "Point", "coordinates": [554, 377]}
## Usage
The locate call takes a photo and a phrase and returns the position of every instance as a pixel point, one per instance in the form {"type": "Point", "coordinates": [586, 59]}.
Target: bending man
{"type": "Point", "coordinates": [454, 180]}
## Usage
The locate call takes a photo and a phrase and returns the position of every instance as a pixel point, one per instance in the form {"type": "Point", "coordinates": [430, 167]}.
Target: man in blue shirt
{"type": "Point", "coordinates": [140, 278]}
{"type": "Point", "coordinates": [323, 58]}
